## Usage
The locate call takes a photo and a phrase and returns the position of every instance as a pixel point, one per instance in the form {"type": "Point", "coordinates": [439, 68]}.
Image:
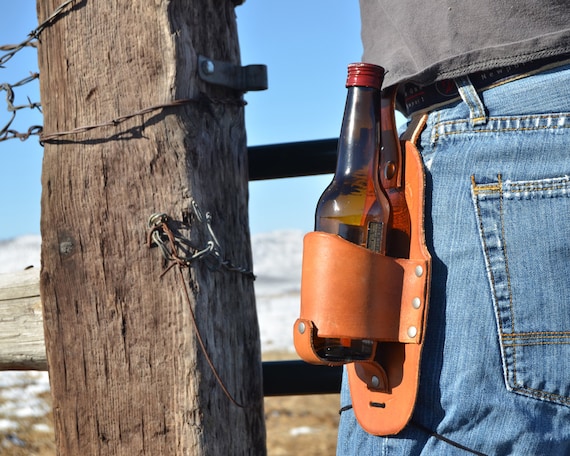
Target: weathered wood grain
{"type": "Point", "coordinates": [21, 324]}
{"type": "Point", "coordinates": [127, 374]}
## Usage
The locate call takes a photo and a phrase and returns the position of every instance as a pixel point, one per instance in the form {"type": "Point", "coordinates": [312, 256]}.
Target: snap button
{"type": "Point", "coordinates": [419, 271]}
{"type": "Point", "coordinates": [416, 303]}
{"type": "Point", "coordinates": [412, 332]}
{"type": "Point", "coordinates": [375, 381]}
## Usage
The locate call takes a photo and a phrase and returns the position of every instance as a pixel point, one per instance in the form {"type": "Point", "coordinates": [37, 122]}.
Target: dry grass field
{"type": "Point", "coordinates": [295, 425]}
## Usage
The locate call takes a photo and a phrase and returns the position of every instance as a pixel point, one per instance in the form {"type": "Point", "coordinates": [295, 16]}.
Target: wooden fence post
{"type": "Point", "coordinates": [127, 372]}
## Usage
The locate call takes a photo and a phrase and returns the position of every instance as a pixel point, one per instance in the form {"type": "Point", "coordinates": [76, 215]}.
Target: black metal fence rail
{"type": "Point", "coordinates": [306, 158]}
{"type": "Point", "coordinates": [290, 378]}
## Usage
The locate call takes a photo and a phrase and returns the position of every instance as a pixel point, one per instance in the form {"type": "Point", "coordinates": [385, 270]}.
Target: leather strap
{"type": "Point", "coordinates": [386, 412]}
{"type": "Point", "coordinates": [350, 292]}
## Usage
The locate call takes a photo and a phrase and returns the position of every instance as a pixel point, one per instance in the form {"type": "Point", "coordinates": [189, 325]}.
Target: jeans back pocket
{"type": "Point", "coordinates": [525, 235]}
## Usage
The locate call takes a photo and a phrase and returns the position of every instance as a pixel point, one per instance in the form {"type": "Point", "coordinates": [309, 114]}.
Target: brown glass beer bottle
{"type": "Point", "coordinates": [354, 205]}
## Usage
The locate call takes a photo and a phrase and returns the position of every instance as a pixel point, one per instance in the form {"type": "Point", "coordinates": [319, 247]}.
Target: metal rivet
{"type": "Point", "coordinates": [208, 67]}
{"type": "Point", "coordinates": [416, 303]}
{"type": "Point", "coordinates": [419, 271]}
{"type": "Point", "coordinates": [412, 331]}
{"type": "Point", "coordinates": [301, 328]}
{"type": "Point", "coordinates": [375, 381]}
{"type": "Point", "coordinates": [390, 170]}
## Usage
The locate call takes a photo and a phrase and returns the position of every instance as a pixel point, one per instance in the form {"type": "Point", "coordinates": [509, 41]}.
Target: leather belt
{"type": "Point", "coordinates": [414, 98]}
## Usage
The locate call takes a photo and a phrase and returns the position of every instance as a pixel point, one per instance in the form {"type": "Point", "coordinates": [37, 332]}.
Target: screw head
{"type": "Point", "coordinates": [208, 66]}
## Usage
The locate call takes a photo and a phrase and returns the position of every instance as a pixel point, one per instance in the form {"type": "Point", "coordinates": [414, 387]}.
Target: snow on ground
{"type": "Point", "coordinates": [14, 386]}
{"type": "Point", "coordinates": [19, 253]}
{"type": "Point", "coordinates": [277, 266]}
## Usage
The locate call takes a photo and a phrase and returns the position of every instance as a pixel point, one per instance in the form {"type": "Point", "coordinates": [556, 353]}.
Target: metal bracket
{"type": "Point", "coordinates": [244, 79]}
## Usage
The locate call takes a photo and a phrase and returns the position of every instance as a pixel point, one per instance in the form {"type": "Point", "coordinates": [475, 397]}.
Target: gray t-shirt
{"type": "Point", "coordinates": [424, 41]}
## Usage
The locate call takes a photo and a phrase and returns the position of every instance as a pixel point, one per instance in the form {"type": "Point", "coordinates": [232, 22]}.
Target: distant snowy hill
{"type": "Point", "coordinates": [19, 253]}
{"type": "Point", "coordinates": [276, 262]}
{"type": "Point", "coordinates": [277, 257]}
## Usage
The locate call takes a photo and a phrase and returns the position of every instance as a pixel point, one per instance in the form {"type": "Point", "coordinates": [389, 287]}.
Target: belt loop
{"type": "Point", "coordinates": [469, 95]}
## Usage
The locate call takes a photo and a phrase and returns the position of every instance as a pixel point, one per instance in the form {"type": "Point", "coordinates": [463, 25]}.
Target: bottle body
{"type": "Point", "coordinates": [354, 205]}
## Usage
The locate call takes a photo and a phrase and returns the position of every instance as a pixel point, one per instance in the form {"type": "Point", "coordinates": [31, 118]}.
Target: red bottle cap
{"type": "Point", "coordinates": [365, 75]}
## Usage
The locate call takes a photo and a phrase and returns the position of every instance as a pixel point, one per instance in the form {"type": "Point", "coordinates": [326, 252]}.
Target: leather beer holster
{"type": "Point", "coordinates": [348, 291]}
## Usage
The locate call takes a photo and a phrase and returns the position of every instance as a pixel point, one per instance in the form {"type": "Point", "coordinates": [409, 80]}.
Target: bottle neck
{"type": "Point", "coordinates": [359, 140]}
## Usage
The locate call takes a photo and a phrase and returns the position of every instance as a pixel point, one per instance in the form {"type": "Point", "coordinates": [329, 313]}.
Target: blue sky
{"type": "Point", "coordinates": [306, 46]}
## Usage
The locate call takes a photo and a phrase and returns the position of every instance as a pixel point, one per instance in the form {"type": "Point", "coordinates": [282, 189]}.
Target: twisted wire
{"type": "Point", "coordinates": [164, 238]}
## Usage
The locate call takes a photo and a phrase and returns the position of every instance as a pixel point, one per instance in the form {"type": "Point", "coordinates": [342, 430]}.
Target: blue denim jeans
{"type": "Point", "coordinates": [495, 375]}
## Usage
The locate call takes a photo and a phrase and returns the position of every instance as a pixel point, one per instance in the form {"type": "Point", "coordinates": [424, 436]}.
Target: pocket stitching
{"type": "Point", "coordinates": [509, 340]}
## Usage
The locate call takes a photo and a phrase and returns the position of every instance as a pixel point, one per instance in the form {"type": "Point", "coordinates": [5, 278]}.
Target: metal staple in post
{"type": "Point", "coordinates": [162, 236]}
{"type": "Point", "coordinates": [165, 239]}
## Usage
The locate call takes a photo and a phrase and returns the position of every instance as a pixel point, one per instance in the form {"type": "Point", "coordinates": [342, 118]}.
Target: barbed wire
{"type": "Point", "coordinates": [6, 132]}
{"type": "Point", "coordinates": [10, 50]}
{"type": "Point", "coordinates": [202, 98]}
{"type": "Point", "coordinates": [31, 41]}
